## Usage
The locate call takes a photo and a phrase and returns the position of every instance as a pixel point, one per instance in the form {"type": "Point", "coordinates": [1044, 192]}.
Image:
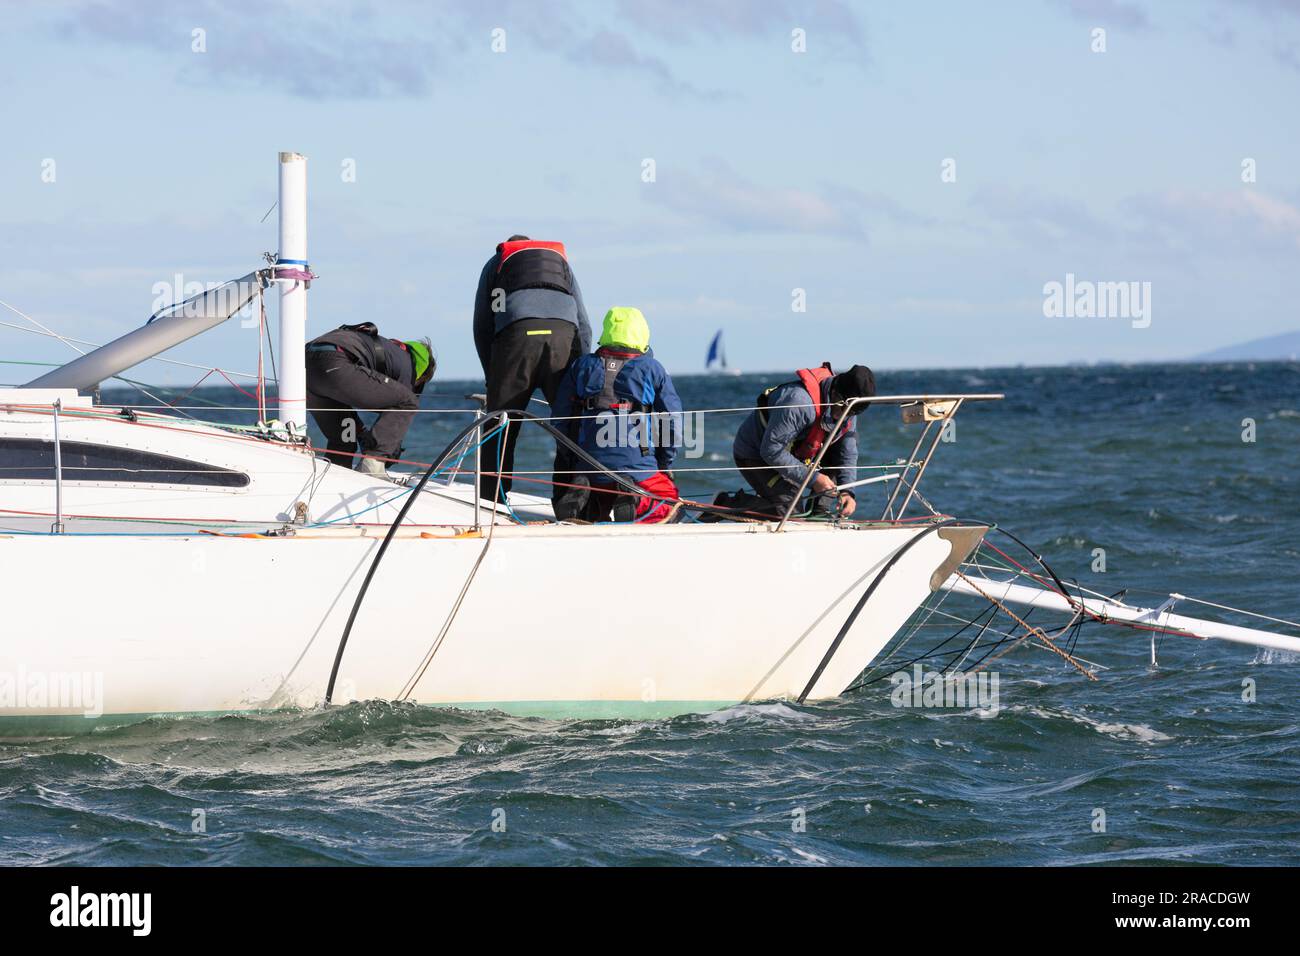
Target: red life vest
{"type": "Point", "coordinates": [508, 249]}
{"type": "Point", "coordinates": [544, 266]}
{"type": "Point", "coordinates": [807, 447]}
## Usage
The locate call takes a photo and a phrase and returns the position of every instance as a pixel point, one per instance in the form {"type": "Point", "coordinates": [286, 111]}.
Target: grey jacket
{"type": "Point", "coordinates": [785, 426]}
{"type": "Point", "coordinates": [524, 304]}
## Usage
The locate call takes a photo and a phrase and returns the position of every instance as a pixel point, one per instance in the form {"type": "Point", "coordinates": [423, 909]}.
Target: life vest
{"type": "Point", "coordinates": [532, 264]}
{"type": "Point", "coordinates": [806, 447]}
{"type": "Point", "coordinates": [607, 400]}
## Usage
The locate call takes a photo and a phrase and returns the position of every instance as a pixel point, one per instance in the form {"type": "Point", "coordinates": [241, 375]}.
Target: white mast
{"type": "Point", "coordinates": [291, 272]}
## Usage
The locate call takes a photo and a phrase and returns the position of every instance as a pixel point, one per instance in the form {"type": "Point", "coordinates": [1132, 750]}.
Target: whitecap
{"type": "Point", "coordinates": [1136, 731]}
{"type": "Point", "coordinates": [1273, 655]}
{"type": "Point", "coordinates": [628, 729]}
{"type": "Point", "coordinates": [810, 857]}
{"type": "Point", "coordinates": [777, 711]}
{"type": "Point", "coordinates": [1139, 732]}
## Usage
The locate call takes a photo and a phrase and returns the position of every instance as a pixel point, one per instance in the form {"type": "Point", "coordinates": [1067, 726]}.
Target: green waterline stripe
{"type": "Point", "coordinates": [23, 725]}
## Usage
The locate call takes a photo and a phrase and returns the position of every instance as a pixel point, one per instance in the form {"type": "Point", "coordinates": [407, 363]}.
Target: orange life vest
{"type": "Point", "coordinates": [807, 447]}
{"type": "Point", "coordinates": [545, 266]}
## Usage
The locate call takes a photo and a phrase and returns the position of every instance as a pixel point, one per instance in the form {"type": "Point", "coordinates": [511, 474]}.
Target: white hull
{"type": "Point", "coordinates": [564, 620]}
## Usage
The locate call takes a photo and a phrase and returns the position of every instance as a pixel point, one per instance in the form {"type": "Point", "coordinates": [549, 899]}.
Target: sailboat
{"type": "Point", "coordinates": [718, 354]}
{"type": "Point", "coordinates": [160, 565]}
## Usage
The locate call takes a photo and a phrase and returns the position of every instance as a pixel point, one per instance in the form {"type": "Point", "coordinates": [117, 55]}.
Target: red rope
{"type": "Point", "coordinates": [196, 385]}
{"type": "Point", "coordinates": [1050, 585]}
{"type": "Point", "coordinates": [261, 380]}
{"type": "Point", "coordinates": [1098, 618]}
{"type": "Point", "coordinates": [244, 391]}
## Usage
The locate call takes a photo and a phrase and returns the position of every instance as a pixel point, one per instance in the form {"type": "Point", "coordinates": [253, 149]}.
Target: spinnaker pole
{"type": "Point", "coordinates": [1160, 619]}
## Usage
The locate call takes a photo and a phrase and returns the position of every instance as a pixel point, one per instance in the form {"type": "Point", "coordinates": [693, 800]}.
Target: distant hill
{"type": "Point", "coordinates": [1273, 348]}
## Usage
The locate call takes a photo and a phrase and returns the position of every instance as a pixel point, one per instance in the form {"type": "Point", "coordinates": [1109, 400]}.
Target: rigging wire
{"type": "Point", "coordinates": [412, 682]}
{"type": "Point", "coordinates": [503, 415]}
{"type": "Point", "coordinates": [1072, 627]}
{"type": "Point", "coordinates": [862, 602]}
{"type": "Point", "coordinates": [95, 345]}
{"type": "Point", "coordinates": [383, 549]}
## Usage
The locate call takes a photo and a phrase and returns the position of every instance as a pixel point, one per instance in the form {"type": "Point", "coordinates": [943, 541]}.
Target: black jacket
{"type": "Point", "coordinates": [524, 304]}
{"type": "Point", "coordinates": [365, 346]}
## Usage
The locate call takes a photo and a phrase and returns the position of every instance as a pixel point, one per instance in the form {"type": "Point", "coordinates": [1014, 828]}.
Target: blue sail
{"type": "Point", "coordinates": [715, 348]}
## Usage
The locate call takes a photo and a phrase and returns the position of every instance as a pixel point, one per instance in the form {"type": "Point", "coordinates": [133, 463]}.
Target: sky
{"type": "Point", "coordinates": [889, 184]}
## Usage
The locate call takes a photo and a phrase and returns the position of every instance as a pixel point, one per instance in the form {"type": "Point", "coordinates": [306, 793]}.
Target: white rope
{"type": "Point", "coordinates": [1102, 596]}
{"type": "Point", "coordinates": [444, 411]}
{"type": "Point", "coordinates": [681, 471]}
{"type": "Point", "coordinates": [417, 675]}
{"type": "Point", "coordinates": [912, 632]}
{"type": "Point", "coordinates": [1235, 610]}
{"type": "Point", "coordinates": [47, 331]}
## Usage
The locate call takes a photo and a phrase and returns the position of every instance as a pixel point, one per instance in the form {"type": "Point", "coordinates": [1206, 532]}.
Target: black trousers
{"type": "Point", "coordinates": [526, 355]}
{"type": "Point", "coordinates": [337, 387]}
{"type": "Point", "coordinates": [772, 484]}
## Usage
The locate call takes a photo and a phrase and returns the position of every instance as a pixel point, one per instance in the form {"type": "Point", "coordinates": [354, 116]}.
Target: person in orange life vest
{"type": "Point", "coordinates": [619, 405]}
{"type": "Point", "coordinates": [776, 444]}
{"type": "Point", "coordinates": [529, 323]}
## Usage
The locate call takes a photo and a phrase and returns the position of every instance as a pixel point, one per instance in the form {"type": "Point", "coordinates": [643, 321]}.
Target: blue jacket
{"type": "Point", "coordinates": [635, 444]}
{"type": "Point", "coordinates": [523, 304]}
{"type": "Point", "coordinates": [785, 426]}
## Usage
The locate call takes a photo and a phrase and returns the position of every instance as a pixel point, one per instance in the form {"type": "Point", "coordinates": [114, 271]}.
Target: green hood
{"type": "Point", "coordinates": [625, 328]}
{"type": "Point", "coordinates": [420, 353]}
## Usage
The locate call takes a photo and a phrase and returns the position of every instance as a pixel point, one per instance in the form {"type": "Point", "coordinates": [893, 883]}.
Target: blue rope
{"type": "Point", "coordinates": [503, 496]}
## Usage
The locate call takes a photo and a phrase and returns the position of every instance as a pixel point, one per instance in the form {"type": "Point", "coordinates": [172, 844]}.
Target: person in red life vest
{"type": "Point", "coordinates": [529, 323]}
{"type": "Point", "coordinates": [619, 405]}
{"type": "Point", "coordinates": [776, 445]}
{"type": "Point", "coordinates": [355, 367]}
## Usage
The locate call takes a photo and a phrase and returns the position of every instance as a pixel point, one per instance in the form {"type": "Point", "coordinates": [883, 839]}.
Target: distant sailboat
{"type": "Point", "coordinates": [718, 354]}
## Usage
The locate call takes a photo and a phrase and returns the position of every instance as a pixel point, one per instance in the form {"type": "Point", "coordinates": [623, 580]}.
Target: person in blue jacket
{"type": "Point", "coordinates": [619, 405]}
{"type": "Point", "coordinates": [777, 444]}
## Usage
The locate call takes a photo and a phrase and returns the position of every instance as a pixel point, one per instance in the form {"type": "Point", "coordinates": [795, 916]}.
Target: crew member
{"type": "Point", "coordinates": [529, 323]}
{"type": "Point", "coordinates": [619, 405]}
{"type": "Point", "coordinates": [777, 444]}
{"type": "Point", "coordinates": [355, 367]}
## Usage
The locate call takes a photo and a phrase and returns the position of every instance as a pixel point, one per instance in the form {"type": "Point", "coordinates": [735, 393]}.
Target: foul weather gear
{"type": "Point", "coordinates": [621, 407]}
{"type": "Point", "coordinates": [518, 284]}
{"type": "Point", "coordinates": [789, 428]}
{"type": "Point", "coordinates": [531, 354]}
{"type": "Point", "coordinates": [354, 367]}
